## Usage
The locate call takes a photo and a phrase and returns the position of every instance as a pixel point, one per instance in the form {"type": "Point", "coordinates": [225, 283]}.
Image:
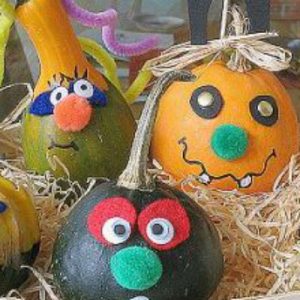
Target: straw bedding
{"type": "Point", "coordinates": [260, 234]}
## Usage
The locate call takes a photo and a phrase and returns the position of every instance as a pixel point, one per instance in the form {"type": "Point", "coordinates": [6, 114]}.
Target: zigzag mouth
{"type": "Point", "coordinates": [206, 178]}
{"type": "Point", "coordinates": [54, 145]}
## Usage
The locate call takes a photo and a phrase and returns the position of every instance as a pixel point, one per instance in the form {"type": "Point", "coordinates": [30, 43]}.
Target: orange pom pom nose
{"type": "Point", "coordinates": [73, 113]}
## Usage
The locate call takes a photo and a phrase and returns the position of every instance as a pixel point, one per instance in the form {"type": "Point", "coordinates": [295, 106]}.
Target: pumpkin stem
{"type": "Point", "coordinates": [136, 175]}
{"type": "Point", "coordinates": [238, 27]}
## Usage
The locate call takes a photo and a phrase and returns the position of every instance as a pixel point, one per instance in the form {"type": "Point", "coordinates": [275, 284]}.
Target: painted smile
{"type": "Point", "coordinates": [71, 145]}
{"type": "Point", "coordinates": [207, 179]}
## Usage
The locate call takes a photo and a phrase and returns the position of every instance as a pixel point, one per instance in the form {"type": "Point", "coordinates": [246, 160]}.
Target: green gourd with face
{"type": "Point", "coordinates": [78, 122]}
{"type": "Point", "coordinates": [138, 239]}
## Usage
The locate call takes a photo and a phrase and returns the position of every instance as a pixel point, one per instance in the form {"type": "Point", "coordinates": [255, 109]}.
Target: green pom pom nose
{"type": "Point", "coordinates": [136, 268]}
{"type": "Point", "coordinates": [229, 142]}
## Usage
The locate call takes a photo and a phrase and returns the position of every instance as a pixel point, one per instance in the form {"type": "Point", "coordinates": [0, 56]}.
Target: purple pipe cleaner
{"type": "Point", "coordinates": [88, 18]}
{"type": "Point", "coordinates": [108, 20]}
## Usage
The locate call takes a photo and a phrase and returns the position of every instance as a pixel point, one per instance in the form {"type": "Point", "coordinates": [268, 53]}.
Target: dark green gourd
{"type": "Point", "coordinates": [138, 239]}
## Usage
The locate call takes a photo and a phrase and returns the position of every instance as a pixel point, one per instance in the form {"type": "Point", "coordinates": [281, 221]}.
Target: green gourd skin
{"type": "Point", "coordinates": [12, 276]}
{"type": "Point", "coordinates": [81, 265]}
{"type": "Point", "coordinates": [103, 146]}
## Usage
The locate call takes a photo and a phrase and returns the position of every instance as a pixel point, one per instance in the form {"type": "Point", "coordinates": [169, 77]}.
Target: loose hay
{"type": "Point", "coordinates": [260, 234]}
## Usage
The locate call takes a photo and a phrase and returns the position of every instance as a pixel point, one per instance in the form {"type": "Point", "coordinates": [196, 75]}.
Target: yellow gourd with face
{"type": "Point", "coordinates": [19, 235]}
{"type": "Point", "coordinates": [232, 130]}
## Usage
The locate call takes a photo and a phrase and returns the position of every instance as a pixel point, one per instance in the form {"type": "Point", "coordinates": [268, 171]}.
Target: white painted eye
{"type": "Point", "coordinates": [206, 99]}
{"type": "Point", "coordinates": [58, 94]}
{"type": "Point", "coordinates": [160, 231]}
{"type": "Point", "coordinates": [116, 230]}
{"type": "Point", "coordinates": [83, 88]}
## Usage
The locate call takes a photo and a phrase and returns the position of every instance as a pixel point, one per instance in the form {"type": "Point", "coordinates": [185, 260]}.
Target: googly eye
{"type": "Point", "coordinates": [264, 110]}
{"type": "Point", "coordinates": [83, 88]}
{"type": "Point", "coordinates": [58, 94]}
{"type": "Point", "coordinates": [3, 207]}
{"type": "Point", "coordinates": [160, 231]}
{"type": "Point", "coordinates": [116, 230]}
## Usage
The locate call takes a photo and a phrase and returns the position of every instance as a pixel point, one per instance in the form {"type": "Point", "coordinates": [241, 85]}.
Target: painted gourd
{"type": "Point", "coordinates": [19, 235]}
{"type": "Point", "coordinates": [138, 239]}
{"type": "Point", "coordinates": [234, 127]}
{"type": "Point", "coordinates": [233, 130]}
{"type": "Point", "coordinates": [78, 120]}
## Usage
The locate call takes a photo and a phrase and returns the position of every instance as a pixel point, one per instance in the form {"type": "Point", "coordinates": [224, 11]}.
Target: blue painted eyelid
{"type": "Point", "coordinates": [98, 98]}
{"type": "Point", "coordinates": [3, 207]}
{"type": "Point", "coordinates": [41, 105]}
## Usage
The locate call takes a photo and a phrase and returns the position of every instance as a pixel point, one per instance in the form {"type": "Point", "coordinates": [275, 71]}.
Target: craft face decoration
{"type": "Point", "coordinates": [134, 245]}
{"type": "Point", "coordinates": [232, 130]}
{"type": "Point", "coordinates": [79, 125]}
{"type": "Point", "coordinates": [71, 102]}
{"type": "Point", "coordinates": [76, 124]}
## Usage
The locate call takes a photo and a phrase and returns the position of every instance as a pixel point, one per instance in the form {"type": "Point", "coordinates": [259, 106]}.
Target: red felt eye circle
{"type": "Point", "coordinates": [111, 221]}
{"type": "Point", "coordinates": [164, 224]}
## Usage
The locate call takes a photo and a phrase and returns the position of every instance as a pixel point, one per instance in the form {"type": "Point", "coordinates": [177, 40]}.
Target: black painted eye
{"type": "Point", "coordinates": [3, 207]}
{"type": "Point", "coordinates": [207, 102]}
{"type": "Point", "coordinates": [264, 110]}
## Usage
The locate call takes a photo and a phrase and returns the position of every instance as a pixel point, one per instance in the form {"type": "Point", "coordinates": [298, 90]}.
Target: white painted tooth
{"type": "Point", "coordinates": [204, 178]}
{"type": "Point", "coordinates": [246, 182]}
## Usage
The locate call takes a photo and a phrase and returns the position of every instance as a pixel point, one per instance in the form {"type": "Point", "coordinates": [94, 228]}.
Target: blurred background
{"type": "Point", "coordinates": [139, 18]}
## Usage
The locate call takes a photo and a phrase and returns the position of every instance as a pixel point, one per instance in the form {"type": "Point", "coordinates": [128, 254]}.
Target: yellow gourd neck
{"type": "Point", "coordinates": [58, 48]}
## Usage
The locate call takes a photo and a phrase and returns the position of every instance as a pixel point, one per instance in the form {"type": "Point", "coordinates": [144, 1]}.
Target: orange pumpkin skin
{"type": "Point", "coordinates": [179, 128]}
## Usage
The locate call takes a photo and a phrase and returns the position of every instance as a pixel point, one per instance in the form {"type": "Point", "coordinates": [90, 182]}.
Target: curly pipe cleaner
{"type": "Point", "coordinates": [108, 20]}
{"type": "Point", "coordinates": [103, 58]}
{"type": "Point", "coordinates": [110, 69]}
{"type": "Point", "coordinates": [88, 18]}
{"type": "Point", "coordinates": [133, 49]}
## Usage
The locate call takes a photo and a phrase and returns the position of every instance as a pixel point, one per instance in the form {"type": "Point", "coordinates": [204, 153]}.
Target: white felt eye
{"type": "Point", "coordinates": [116, 230]}
{"type": "Point", "coordinates": [160, 231]}
{"type": "Point", "coordinates": [83, 88]}
{"type": "Point", "coordinates": [58, 94]}
{"type": "Point", "coordinates": [206, 99]}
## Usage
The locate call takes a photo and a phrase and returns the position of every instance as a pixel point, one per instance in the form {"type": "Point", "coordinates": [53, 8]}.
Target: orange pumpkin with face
{"type": "Point", "coordinates": [232, 130]}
